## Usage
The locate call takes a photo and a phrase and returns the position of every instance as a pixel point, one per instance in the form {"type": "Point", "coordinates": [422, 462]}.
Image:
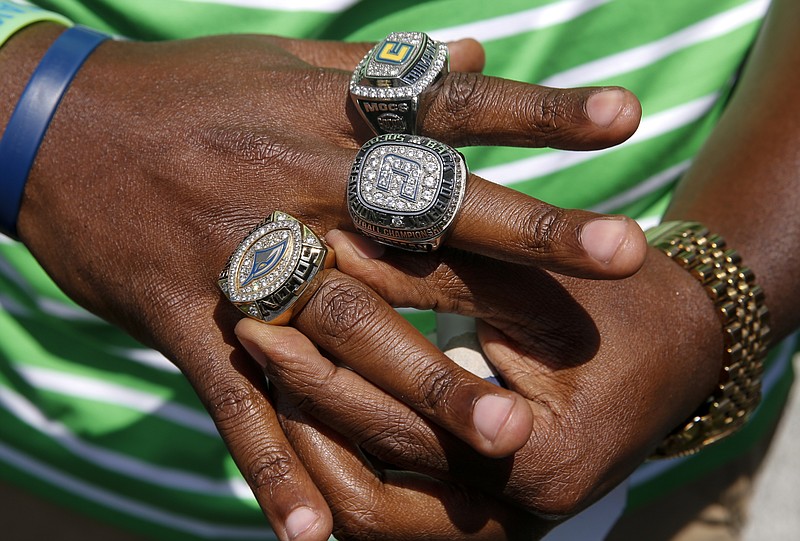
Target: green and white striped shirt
{"type": "Point", "coordinates": [91, 418]}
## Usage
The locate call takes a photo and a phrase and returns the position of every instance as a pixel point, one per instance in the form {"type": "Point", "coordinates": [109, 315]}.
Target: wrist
{"type": "Point", "coordinates": [33, 112]}
{"type": "Point", "coordinates": [743, 317]}
{"type": "Point", "coordinates": [18, 59]}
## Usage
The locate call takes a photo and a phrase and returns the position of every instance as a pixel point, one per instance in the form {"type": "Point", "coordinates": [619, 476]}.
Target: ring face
{"type": "Point", "coordinates": [272, 267]}
{"type": "Point", "coordinates": [387, 84]}
{"type": "Point", "coordinates": [405, 190]}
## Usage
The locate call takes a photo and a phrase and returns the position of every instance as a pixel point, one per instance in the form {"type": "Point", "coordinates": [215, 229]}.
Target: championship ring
{"type": "Point", "coordinates": [272, 267]}
{"type": "Point", "coordinates": [389, 84]}
{"type": "Point", "coordinates": [405, 190]}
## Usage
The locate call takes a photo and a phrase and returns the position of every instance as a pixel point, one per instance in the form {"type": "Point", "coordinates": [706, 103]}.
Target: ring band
{"type": "Point", "coordinates": [405, 190]}
{"type": "Point", "coordinates": [272, 267]}
{"type": "Point", "coordinates": [389, 83]}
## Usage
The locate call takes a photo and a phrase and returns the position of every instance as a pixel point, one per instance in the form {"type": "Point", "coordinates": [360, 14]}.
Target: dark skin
{"type": "Point", "coordinates": [162, 156]}
{"type": "Point", "coordinates": [608, 368]}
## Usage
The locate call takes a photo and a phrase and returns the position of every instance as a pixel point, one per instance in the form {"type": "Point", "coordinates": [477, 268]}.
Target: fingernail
{"type": "Point", "coordinates": [490, 414]}
{"type": "Point", "coordinates": [601, 238]}
{"type": "Point", "coordinates": [300, 521]}
{"type": "Point", "coordinates": [603, 107]}
{"type": "Point", "coordinates": [254, 351]}
{"type": "Point", "coordinates": [362, 246]}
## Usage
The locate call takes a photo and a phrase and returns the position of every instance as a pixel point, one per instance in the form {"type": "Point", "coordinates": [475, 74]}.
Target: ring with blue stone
{"type": "Point", "coordinates": [272, 267]}
{"type": "Point", "coordinates": [389, 85]}
{"type": "Point", "coordinates": [406, 190]}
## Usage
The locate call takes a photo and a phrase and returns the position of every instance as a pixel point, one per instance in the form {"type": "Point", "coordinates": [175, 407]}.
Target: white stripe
{"type": "Point", "coordinates": [147, 357]}
{"type": "Point", "coordinates": [639, 57]}
{"type": "Point", "coordinates": [8, 270]}
{"type": "Point", "coordinates": [647, 223]}
{"type": "Point", "coordinates": [518, 23]}
{"type": "Point", "coordinates": [66, 311]}
{"type": "Point", "coordinates": [649, 185]}
{"type": "Point", "coordinates": [47, 305]}
{"type": "Point", "coordinates": [650, 127]}
{"type": "Point", "coordinates": [169, 478]}
{"type": "Point", "coordinates": [4, 239]}
{"type": "Point", "coordinates": [772, 376]}
{"type": "Point", "coordinates": [111, 393]}
{"type": "Point", "coordinates": [324, 6]}
{"type": "Point", "coordinates": [112, 500]}
{"type": "Point", "coordinates": [13, 307]}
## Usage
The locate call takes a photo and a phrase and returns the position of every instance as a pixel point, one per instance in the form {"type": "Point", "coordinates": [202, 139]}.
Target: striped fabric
{"type": "Point", "coordinates": [94, 420]}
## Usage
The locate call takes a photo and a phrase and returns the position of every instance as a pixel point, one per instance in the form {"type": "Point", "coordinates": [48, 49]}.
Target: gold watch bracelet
{"type": "Point", "coordinates": [739, 303]}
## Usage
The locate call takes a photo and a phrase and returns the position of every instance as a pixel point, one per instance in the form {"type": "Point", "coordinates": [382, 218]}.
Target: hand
{"type": "Point", "coordinates": [163, 155]}
{"type": "Point", "coordinates": [652, 342]}
{"type": "Point", "coordinates": [360, 327]}
{"type": "Point", "coordinates": [606, 375]}
{"type": "Point", "coordinates": [372, 502]}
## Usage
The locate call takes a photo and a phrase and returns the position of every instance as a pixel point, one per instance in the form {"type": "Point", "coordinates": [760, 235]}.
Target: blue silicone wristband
{"type": "Point", "coordinates": [34, 111]}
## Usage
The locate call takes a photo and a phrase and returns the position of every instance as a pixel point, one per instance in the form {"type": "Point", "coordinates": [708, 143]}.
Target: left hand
{"type": "Point", "coordinates": [608, 369]}
{"type": "Point", "coordinates": [163, 154]}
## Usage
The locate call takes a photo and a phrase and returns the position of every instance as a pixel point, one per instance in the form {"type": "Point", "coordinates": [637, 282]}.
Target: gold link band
{"type": "Point", "coordinates": [739, 302]}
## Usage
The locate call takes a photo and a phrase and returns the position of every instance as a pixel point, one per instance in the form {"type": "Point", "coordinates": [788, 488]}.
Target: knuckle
{"type": "Point", "coordinates": [541, 231]}
{"type": "Point", "coordinates": [230, 401]}
{"type": "Point", "coordinates": [309, 393]}
{"type": "Point", "coordinates": [547, 111]}
{"type": "Point", "coordinates": [341, 308]}
{"type": "Point", "coordinates": [273, 467]}
{"type": "Point", "coordinates": [410, 446]}
{"type": "Point", "coordinates": [436, 387]}
{"type": "Point", "coordinates": [462, 94]}
{"type": "Point", "coordinates": [357, 518]}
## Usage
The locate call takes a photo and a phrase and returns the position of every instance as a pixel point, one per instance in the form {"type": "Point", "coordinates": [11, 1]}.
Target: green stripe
{"type": "Point", "coordinates": [54, 347]}
{"type": "Point", "coordinates": [595, 35]}
{"type": "Point", "coordinates": [230, 510]}
{"type": "Point", "coordinates": [164, 19]}
{"type": "Point", "coordinates": [108, 515]}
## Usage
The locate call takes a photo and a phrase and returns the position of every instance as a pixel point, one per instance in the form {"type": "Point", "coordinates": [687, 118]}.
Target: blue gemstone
{"type": "Point", "coordinates": [265, 261]}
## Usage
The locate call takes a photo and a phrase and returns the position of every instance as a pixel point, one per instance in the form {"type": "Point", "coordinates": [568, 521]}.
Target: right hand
{"type": "Point", "coordinates": [602, 382]}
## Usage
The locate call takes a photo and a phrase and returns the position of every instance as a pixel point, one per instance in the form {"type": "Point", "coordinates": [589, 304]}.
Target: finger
{"type": "Point", "coordinates": [378, 423]}
{"type": "Point", "coordinates": [403, 280]}
{"type": "Point", "coordinates": [556, 330]}
{"type": "Point", "coordinates": [352, 324]}
{"type": "Point", "coordinates": [388, 430]}
{"type": "Point", "coordinates": [233, 392]}
{"type": "Point", "coordinates": [473, 109]}
{"type": "Point", "coordinates": [469, 108]}
{"type": "Point", "coordinates": [504, 224]}
{"type": "Point", "coordinates": [316, 385]}
{"type": "Point", "coordinates": [494, 220]}
{"type": "Point", "coordinates": [465, 55]}
{"type": "Point", "coordinates": [371, 504]}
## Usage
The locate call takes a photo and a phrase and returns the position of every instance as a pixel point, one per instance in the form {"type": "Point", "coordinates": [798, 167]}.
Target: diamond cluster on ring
{"type": "Point", "coordinates": [405, 190]}
{"type": "Point", "coordinates": [255, 251]}
{"type": "Point", "coordinates": [401, 179]}
{"type": "Point", "coordinates": [423, 61]}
